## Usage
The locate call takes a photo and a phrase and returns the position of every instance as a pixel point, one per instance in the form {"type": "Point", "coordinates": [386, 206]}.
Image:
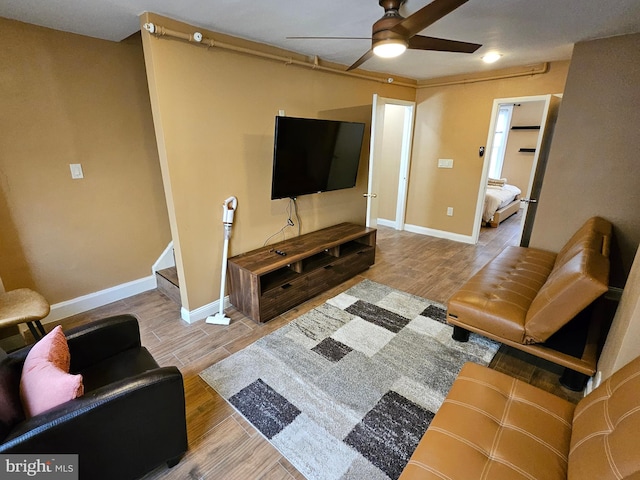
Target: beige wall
{"type": "Point", "coordinates": [67, 99]}
{"type": "Point", "coordinates": [214, 117]}
{"type": "Point", "coordinates": [453, 122]}
{"type": "Point", "coordinates": [623, 340]}
{"type": "Point", "coordinates": [517, 165]}
{"type": "Point", "coordinates": [390, 161]}
{"type": "Point", "coordinates": [593, 166]}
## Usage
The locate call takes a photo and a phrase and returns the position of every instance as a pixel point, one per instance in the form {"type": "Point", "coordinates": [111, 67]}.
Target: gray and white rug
{"type": "Point", "coordinates": [347, 390]}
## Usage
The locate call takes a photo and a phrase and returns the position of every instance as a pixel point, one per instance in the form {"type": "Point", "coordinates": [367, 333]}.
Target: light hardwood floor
{"type": "Point", "coordinates": [222, 445]}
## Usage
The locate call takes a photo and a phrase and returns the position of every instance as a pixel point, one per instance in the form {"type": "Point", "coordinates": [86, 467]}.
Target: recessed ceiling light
{"type": "Point", "coordinates": [491, 57]}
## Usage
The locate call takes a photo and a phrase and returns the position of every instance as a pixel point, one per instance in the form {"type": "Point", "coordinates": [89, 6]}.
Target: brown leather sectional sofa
{"type": "Point", "coordinates": [492, 426]}
{"type": "Point", "coordinates": [525, 295]}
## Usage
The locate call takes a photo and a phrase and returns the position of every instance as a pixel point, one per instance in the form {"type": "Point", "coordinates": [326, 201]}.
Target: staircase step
{"type": "Point", "coordinates": [168, 284]}
{"type": "Point", "coordinates": [170, 274]}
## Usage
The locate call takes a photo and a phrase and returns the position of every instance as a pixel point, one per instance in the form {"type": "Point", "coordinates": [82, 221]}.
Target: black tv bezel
{"type": "Point", "coordinates": [312, 191]}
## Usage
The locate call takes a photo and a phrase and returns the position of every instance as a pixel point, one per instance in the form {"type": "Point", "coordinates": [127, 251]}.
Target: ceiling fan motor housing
{"type": "Point", "coordinates": [381, 31]}
{"type": "Point", "coordinates": [391, 4]}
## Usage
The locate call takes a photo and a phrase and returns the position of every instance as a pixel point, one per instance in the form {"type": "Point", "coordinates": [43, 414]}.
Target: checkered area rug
{"type": "Point", "coordinates": [347, 390]}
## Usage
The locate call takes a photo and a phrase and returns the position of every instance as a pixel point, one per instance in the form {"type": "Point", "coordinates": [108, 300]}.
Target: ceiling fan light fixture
{"type": "Point", "coordinates": [390, 48]}
{"type": "Point", "coordinates": [491, 57]}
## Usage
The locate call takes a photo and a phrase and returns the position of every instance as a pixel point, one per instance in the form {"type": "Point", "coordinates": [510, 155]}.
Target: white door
{"type": "Point", "coordinates": [526, 192]}
{"type": "Point", "coordinates": [376, 157]}
{"type": "Point", "coordinates": [537, 173]}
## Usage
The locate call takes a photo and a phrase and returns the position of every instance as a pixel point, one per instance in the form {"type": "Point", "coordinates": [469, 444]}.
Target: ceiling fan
{"type": "Point", "coordinates": [393, 34]}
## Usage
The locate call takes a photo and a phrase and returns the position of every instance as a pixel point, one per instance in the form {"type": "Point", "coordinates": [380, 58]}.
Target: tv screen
{"type": "Point", "coordinates": [312, 156]}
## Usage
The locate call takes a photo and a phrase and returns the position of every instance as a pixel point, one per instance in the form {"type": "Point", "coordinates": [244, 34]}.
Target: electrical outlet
{"type": "Point", "coordinates": [450, 211]}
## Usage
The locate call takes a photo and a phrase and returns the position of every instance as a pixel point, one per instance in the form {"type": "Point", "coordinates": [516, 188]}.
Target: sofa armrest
{"type": "Point", "coordinates": [132, 425]}
{"type": "Point", "coordinates": [101, 339]}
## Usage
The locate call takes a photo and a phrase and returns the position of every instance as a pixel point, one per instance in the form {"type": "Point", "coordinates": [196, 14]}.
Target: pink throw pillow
{"type": "Point", "coordinates": [45, 381]}
{"type": "Point", "coordinates": [52, 348]}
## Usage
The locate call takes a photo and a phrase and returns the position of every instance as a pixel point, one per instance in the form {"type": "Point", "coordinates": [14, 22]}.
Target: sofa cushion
{"type": "Point", "coordinates": [45, 382]}
{"type": "Point", "coordinates": [605, 429]}
{"type": "Point", "coordinates": [579, 276]}
{"type": "Point", "coordinates": [497, 298]}
{"type": "Point", "coordinates": [494, 426]}
{"type": "Point", "coordinates": [126, 364]}
{"type": "Point", "coordinates": [595, 235]}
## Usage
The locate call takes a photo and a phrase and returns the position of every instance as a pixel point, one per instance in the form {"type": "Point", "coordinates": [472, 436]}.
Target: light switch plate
{"type": "Point", "coordinates": [76, 170]}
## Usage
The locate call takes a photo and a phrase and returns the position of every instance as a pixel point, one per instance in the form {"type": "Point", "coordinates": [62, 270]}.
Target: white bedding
{"type": "Point", "coordinates": [497, 198]}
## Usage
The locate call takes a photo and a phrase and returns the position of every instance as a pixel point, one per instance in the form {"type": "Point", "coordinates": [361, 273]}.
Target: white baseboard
{"type": "Point", "coordinates": [103, 297]}
{"type": "Point", "coordinates": [386, 223]}
{"type": "Point", "coordinates": [165, 260]}
{"type": "Point", "coordinates": [97, 299]}
{"type": "Point", "coordinates": [191, 316]}
{"type": "Point", "coordinates": [456, 237]}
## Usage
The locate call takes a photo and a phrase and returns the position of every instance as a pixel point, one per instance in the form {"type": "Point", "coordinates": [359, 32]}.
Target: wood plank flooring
{"type": "Point", "coordinates": [222, 445]}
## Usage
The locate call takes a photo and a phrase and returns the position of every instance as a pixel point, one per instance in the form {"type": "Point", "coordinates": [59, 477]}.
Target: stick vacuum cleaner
{"type": "Point", "coordinates": [228, 209]}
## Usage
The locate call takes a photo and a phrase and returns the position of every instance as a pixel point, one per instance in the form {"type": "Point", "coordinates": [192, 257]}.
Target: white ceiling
{"type": "Point", "coordinates": [523, 31]}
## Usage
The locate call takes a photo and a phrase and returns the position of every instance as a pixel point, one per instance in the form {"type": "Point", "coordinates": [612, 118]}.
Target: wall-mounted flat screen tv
{"type": "Point", "coordinates": [312, 156]}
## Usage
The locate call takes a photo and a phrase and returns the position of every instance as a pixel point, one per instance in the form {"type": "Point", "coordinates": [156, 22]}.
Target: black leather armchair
{"type": "Point", "coordinates": [131, 417]}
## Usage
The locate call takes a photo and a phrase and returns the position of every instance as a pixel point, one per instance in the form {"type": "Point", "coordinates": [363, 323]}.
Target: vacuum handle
{"type": "Point", "coordinates": [228, 209]}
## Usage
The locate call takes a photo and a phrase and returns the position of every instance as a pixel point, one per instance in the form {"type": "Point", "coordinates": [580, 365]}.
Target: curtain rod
{"type": "Point", "coordinates": [197, 38]}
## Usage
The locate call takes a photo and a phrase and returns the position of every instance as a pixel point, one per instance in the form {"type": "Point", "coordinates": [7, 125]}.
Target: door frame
{"type": "Point", "coordinates": [487, 157]}
{"type": "Point", "coordinates": [377, 130]}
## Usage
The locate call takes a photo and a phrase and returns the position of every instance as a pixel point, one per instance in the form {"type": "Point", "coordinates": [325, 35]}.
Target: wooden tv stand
{"type": "Point", "coordinates": [264, 284]}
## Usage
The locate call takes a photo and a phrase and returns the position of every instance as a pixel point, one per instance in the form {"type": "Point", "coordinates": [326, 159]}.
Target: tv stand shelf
{"type": "Point", "coordinates": [264, 284]}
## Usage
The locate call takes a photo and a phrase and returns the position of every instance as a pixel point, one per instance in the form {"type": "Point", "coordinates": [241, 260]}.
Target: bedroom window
{"type": "Point", "coordinates": [499, 145]}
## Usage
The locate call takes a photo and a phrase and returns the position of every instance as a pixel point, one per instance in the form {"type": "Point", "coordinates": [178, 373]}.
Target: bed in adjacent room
{"type": "Point", "coordinates": [501, 201]}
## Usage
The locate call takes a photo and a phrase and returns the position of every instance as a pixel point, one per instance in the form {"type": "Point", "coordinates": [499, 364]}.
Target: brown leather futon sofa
{"type": "Point", "coordinates": [524, 296]}
{"type": "Point", "coordinates": [492, 426]}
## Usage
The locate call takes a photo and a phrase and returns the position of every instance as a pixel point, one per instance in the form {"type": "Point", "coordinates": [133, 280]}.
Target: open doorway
{"type": "Point", "coordinates": [389, 157]}
{"type": "Point", "coordinates": [517, 147]}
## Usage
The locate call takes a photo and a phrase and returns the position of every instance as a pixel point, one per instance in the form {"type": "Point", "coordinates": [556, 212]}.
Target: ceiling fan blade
{"type": "Point", "coordinates": [427, 15]}
{"type": "Point", "coordinates": [361, 60]}
{"type": "Point", "coordinates": [328, 38]}
{"type": "Point", "coordinates": [419, 42]}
